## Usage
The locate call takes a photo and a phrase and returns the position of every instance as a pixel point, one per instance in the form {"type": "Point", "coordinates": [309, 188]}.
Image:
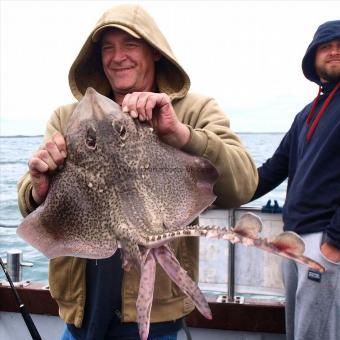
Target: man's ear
{"type": "Point", "coordinates": [156, 55]}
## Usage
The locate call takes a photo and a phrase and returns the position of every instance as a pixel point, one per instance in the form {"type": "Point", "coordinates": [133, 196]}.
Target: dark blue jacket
{"type": "Point", "coordinates": [312, 167]}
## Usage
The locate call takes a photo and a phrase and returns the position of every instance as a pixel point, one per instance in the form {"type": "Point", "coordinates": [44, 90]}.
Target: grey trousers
{"type": "Point", "coordinates": [312, 307]}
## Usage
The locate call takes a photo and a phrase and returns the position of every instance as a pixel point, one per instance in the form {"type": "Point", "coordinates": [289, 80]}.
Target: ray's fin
{"type": "Point", "coordinates": [290, 245]}
{"type": "Point", "coordinates": [289, 241]}
{"type": "Point", "coordinates": [171, 266]}
{"type": "Point", "coordinates": [249, 225]}
{"type": "Point", "coordinates": [52, 242]}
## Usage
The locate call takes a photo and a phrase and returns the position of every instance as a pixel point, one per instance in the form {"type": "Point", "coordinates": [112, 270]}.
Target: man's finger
{"type": "Point", "coordinates": [40, 185]}
{"type": "Point", "coordinates": [129, 102]}
{"type": "Point", "coordinates": [45, 156]}
{"type": "Point", "coordinates": [134, 104]}
{"type": "Point", "coordinates": [56, 154]}
{"type": "Point", "coordinates": [36, 166]}
{"type": "Point", "coordinates": [149, 107]}
{"type": "Point", "coordinates": [60, 142]}
{"type": "Point", "coordinates": [140, 106]}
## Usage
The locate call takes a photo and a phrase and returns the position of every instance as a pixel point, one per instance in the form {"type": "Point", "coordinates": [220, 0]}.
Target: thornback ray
{"type": "Point", "coordinates": [122, 186]}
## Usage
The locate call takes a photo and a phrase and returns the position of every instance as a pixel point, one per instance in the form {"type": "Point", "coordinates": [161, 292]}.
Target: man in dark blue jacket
{"type": "Point", "coordinates": [309, 155]}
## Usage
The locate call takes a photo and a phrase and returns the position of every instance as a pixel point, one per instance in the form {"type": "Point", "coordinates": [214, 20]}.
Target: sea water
{"type": "Point", "coordinates": [14, 155]}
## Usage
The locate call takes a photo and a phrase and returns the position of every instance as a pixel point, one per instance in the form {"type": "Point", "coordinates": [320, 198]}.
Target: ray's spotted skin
{"type": "Point", "coordinates": [122, 186]}
{"type": "Point", "coordinates": [145, 295]}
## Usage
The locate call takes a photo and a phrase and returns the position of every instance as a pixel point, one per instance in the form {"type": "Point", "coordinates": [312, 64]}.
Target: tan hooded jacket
{"type": "Point", "coordinates": [210, 137]}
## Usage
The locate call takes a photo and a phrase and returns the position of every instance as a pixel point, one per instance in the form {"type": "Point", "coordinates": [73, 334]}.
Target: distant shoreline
{"type": "Point", "coordinates": [243, 133]}
{"type": "Point", "coordinates": [21, 136]}
{"type": "Point", "coordinates": [261, 133]}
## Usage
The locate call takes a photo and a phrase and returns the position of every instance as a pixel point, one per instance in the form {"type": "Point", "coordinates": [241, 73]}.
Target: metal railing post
{"type": "Point", "coordinates": [15, 263]}
{"type": "Point", "coordinates": [231, 260]}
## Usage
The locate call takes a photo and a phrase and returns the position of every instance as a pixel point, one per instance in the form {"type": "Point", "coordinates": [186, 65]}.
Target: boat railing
{"type": "Point", "coordinates": [231, 249]}
{"type": "Point", "coordinates": [15, 264]}
{"type": "Point", "coordinates": [232, 268]}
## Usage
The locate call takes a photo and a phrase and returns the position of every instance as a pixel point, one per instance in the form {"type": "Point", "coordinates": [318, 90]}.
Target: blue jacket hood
{"type": "Point", "coordinates": [328, 31]}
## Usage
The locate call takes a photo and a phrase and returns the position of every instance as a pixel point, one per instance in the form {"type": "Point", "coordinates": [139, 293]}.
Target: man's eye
{"type": "Point", "coordinates": [323, 47]}
{"type": "Point", "coordinates": [106, 48]}
{"type": "Point", "coordinates": [131, 45]}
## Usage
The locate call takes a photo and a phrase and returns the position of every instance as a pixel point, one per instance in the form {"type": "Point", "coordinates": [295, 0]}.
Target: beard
{"type": "Point", "coordinates": [331, 75]}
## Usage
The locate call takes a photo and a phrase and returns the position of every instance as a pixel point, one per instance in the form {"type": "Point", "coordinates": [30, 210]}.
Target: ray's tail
{"type": "Point", "coordinates": [246, 231]}
{"type": "Point", "coordinates": [167, 260]}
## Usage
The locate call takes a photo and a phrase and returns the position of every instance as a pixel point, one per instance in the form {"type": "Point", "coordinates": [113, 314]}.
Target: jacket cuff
{"type": "Point", "coordinates": [27, 205]}
{"type": "Point", "coordinates": [197, 143]}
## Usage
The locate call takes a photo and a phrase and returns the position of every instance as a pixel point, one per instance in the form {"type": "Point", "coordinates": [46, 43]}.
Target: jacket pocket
{"type": "Point", "coordinates": [66, 278]}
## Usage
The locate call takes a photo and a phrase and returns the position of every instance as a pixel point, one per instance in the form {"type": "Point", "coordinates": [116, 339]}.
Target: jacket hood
{"type": "Point", "coordinates": [86, 71]}
{"type": "Point", "coordinates": [328, 31]}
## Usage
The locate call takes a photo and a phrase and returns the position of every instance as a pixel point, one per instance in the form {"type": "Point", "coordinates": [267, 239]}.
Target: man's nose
{"type": "Point", "coordinates": [335, 49]}
{"type": "Point", "coordinates": [119, 55]}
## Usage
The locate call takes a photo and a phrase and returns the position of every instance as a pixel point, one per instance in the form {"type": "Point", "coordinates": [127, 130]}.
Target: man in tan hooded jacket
{"type": "Point", "coordinates": [127, 58]}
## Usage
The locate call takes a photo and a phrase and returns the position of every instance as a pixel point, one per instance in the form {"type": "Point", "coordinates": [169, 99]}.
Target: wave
{"type": "Point", "coordinates": [13, 162]}
{"type": "Point", "coordinates": [21, 136]}
{"type": "Point", "coordinates": [2, 225]}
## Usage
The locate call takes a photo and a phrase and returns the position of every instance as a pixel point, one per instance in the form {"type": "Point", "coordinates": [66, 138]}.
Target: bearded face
{"type": "Point", "coordinates": [327, 61]}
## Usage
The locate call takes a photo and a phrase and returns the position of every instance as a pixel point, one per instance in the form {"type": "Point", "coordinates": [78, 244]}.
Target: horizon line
{"type": "Point", "coordinates": [237, 132]}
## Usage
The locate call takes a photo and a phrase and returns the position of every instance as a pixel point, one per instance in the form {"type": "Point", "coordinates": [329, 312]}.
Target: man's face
{"type": "Point", "coordinates": [327, 61]}
{"type": "Point", "coordinates": [128, 63]}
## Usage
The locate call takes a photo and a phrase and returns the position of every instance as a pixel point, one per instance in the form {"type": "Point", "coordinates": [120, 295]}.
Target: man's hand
{"type": "Point", "coordinates": [156, 108]}
{"type": "Point", "coordinates": [49, 157]}
{"type": "Point", "coordinates": [330, 252]}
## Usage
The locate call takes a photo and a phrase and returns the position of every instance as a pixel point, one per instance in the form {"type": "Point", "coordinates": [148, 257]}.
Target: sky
{"type": "Point", "coordinates": [245, 54]}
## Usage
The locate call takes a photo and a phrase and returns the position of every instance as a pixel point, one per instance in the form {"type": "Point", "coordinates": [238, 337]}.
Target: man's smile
{"type": "Point", "coordinates": [333, 61]}
{"type": "Point", "coordinates": [122, 69]}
